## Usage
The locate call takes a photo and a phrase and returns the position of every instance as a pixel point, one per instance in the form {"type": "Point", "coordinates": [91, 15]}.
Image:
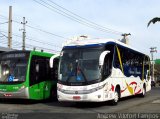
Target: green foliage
{"type": "Point", "coordinates": [157, 69]}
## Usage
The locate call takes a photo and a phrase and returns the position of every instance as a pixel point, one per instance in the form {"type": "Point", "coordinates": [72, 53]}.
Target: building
{"type": "Point", "coordinates": [4, 49]}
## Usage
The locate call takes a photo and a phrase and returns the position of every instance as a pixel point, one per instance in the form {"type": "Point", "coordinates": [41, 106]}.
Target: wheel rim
{"type": "Point", "coordinates": [144, 91]}
{"type": "Point", "coordinates": [116, 96]}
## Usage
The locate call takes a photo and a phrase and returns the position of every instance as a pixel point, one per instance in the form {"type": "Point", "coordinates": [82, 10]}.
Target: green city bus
{"type": "Point", "coordinates": [27, 75]}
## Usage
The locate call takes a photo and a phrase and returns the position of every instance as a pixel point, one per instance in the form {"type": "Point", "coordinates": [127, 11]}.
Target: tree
{"type": "Point", "coordinates": [154, 20]}
{"type": "Point", "coordinates": [157, 69]}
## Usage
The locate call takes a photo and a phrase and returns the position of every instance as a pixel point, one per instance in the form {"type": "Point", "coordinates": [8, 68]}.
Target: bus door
{"type": "Point", "coordinates": [41, 77]}
{"type": "Point", "coordinates": [37, 78]}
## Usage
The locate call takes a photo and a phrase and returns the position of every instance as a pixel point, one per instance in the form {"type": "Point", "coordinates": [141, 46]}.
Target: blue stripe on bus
{"type": "Point", "coordinates": [99, 45]}
{"type": "Point", "coordinates": [88, 45]}
{"type": "Point", "coordinates": [83, 46]}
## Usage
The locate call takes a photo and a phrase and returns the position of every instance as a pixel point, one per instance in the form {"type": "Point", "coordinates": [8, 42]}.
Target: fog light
{"type": "Point", "coordinates": [99, 96]}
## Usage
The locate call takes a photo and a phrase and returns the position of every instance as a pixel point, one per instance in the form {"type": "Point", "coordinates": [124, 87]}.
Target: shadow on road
{"type": "Point", "coordinates": [100, 104]}
{"type": "Point", "coordinates": [55, 103]}
{"type": "Point", "coordinates": [18, 101]}
{"type": "Point", "coordinates": [88, 104]}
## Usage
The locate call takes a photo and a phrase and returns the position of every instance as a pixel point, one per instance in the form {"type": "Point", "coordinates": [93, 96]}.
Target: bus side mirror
{"type": "Point", "coordinates": [101, 61]}
{"type": "Point", "coordinates": [102, 57]}
{"type": "Point", "coordinates": [51, 62]}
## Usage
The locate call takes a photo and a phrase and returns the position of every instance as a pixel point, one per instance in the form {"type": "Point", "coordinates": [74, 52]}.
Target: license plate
{"type": "Point", "coordinates": [76, 97]}
{"type": "Point", "coordinates": [7, 95]}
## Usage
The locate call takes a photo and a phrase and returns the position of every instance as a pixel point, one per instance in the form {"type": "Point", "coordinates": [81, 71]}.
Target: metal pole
{"type": "Point", "coordinates": [10, 28]}
{"type": "Point", "coordinates": [23, 33]}
{"type": "Point", "coordinates": [153, 50]}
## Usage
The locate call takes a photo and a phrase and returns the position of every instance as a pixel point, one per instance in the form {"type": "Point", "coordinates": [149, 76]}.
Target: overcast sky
{"type": "Point", "coordinates": [127, 16]}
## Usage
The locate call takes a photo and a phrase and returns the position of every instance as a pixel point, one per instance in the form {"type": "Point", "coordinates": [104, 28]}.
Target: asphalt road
{"type": "Point", "coordinates": [130, 107]}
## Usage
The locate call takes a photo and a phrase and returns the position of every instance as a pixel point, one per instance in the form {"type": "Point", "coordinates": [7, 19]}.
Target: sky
{"type": "Point", "coordinates": [124, 16]}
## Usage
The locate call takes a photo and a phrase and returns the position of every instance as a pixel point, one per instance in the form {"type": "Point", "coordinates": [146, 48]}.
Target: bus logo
{"type": "Point", "coordinates": [10, 78]}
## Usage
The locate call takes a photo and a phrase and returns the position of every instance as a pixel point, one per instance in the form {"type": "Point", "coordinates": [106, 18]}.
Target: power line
{"type": "Point", "coordinates": [43, 42]}
{"type": "Point", "coordinates": [4, 22]}
{"type": "Point", "coordinates": [47, 32]}
{"type": "Point", "coordinates": [17, 43]}
{"type": "Point", "coordinates": [38, 41]}
{"type": "Point", "coordinates": [74, 18]}
{"type": "Point", "coordinates": [35, 46]}
{"type": "Point", "coordinates": [69, 16]}
{"type": "Point", "coordinates": [3, 35]}
{"type": "Point", "coordinates": [42, 30]}
{"type": "Point", "coordinates": [3, 41]}
{"type": "Point", "coordinates": [29, 45]}
{"type": "Point", "coordinates": [4, 17]}
{"type": "Point", "coordinates": [35, 28]}
{"type": "Point", "coordinates": [84, 18]}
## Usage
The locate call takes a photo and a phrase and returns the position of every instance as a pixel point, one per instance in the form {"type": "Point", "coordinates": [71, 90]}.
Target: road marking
{"type": "Point", "coordinates": [156, 101]}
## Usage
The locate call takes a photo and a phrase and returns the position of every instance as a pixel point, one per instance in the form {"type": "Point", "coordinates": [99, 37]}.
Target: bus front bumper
{"type": "Point", "coordinates": [21, 94]}
{"type": "Point", "coordinates": [97, 96]}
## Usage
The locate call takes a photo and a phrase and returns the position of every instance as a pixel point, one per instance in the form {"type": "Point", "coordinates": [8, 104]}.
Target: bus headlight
{"type": "Point", "coordinates": [106, 87]}
{"type": "Point", "coordinates": [21, 88]}
{"type": "Point", "coordinates": [96, 89]}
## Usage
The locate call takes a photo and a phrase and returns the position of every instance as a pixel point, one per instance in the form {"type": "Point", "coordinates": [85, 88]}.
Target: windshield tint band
{"type": "Point", "coordinates": [13, 67]}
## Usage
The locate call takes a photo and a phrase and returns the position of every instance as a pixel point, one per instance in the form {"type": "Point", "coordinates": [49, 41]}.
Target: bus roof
{"type": "Point", "coordinates": [99, 41]}
{"type": "Point", "coordinates": [4, 49]}
{"type": "Point", "coordinates": [29, 51]}
{"type": "Point", "coordinates": [41, 53]}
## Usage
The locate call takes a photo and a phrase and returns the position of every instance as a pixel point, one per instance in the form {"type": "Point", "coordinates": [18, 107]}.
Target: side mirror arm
{"type": "Point", "coordinates": [52, 60]}
{"type": "Point", "coordinates": [102, 57]}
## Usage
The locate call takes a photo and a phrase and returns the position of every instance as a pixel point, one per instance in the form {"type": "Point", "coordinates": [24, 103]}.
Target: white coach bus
{"type": "Point", "coordinates": [99, 70]}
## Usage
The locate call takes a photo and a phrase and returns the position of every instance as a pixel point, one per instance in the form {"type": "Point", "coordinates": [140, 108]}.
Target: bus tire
{"type": "Point", "coordinates": [143, 91]}
{"type": "Point", "coordinates": [116, 97]}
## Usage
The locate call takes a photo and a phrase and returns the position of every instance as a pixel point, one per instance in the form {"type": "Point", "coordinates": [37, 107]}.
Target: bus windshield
{"type": "Point", "coordinates": [13, 68]}
{"type": "Point", "coordinates": [79, 65]}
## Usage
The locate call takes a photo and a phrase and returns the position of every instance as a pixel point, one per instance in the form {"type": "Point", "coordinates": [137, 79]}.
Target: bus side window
{"type": "Point", "coordinates": [116, 61]}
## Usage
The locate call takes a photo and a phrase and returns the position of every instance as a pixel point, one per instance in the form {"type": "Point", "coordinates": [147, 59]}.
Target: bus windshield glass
{"type": "Point", "coordinates": [79, 65]}
{"type": "Point", "coordinates": [13, 67]}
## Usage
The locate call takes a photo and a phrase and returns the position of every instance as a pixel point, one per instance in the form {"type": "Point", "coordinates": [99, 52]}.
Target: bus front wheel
{"type": "Point", "coordinates": [116, 97]}
{"type": "Point", "coordinates": [143, 91]}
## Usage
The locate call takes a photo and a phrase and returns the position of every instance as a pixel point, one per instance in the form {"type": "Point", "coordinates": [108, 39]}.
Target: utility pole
{"type": "Point", "coordinates": [153, 50]}
{"type": "Point", "coordinates": [125, 38]}
{"type": "Point", "coordinates": [23, 33]}
{"type": "Point", "coordinates": [10, 28]}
